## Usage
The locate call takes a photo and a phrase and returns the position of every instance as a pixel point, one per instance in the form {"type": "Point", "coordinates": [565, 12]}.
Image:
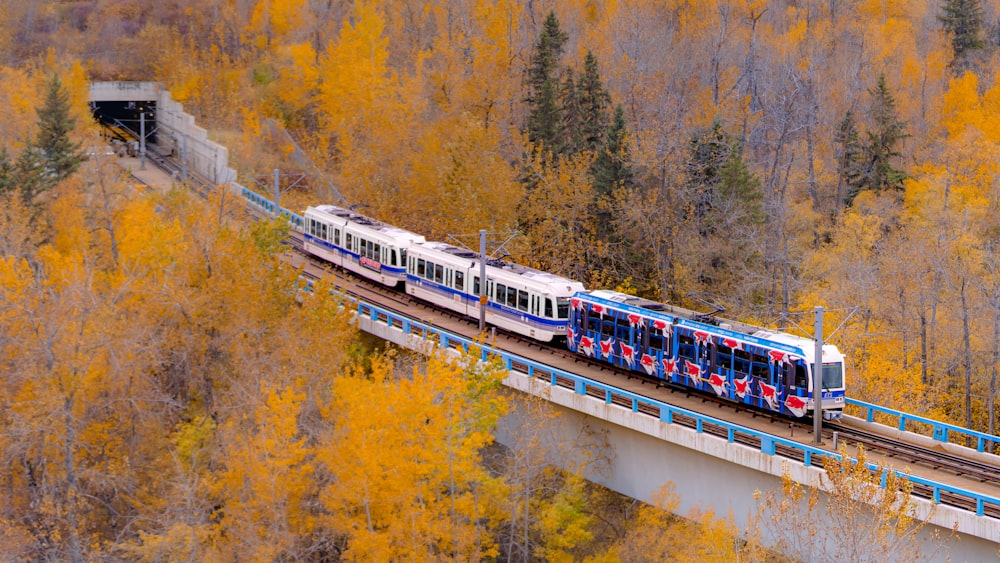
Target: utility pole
{"type": "Point", "coordinates": [818, 380]}
{"type": "Point", "coordinates": [482, 280]}
{"type": "Point", "coordinates": [184, 156]}
{"type": "Point", "coordinates": [142, 139]}
{"type": "Point", "coordinates": [277, 193]}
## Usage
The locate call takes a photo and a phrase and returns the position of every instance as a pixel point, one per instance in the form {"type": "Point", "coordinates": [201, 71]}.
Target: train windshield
{"type": "Point", "coordinates": [562, 307]}
{"type": "Point", "coordinates": [833, 375]}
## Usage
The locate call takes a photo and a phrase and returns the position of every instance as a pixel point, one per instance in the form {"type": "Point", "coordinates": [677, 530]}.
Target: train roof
{"type": "Point", "coordinates": [333, 212]}
{"type": "Point", "coordinates": [500, 267]}
{"type": "Point", "coordinates": [803, 347]}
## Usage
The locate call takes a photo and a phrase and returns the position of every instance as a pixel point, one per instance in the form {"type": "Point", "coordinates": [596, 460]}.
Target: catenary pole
{"type": "Point", "coordinates": [142, 139]}
{"type": "Point", "coordinates": [818, 380]}
{"type": "Point", "coordinates": [277, 193]}
{"type": "Point", "coordinates": [482, 280]}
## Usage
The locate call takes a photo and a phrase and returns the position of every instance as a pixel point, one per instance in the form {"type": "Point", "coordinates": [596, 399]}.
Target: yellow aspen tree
{"type": "Point", "coordinates": [860, 519]}
{"type": "Point", "coordinates": [19, 94]}
{"type": "Point", "coordinates": [406, 479]}
{"type": "Point", "coordinates": [658, 533]}
{"type": "Point", "coordinates": [19, 237]}
{"type": "Point", "coordinates": [272, 21]}
{"type": "Point", "coordinates": [261, 494]}
{"type": "Point", "coordinates": [558, 218]}
{"type": "Point", "coordinates": [361, 105]}
{"type": "Point", "coordinates": [492, 79]}
{"type": "Point", "coordinates": [563, 523]}
{"type": "Point", "coordinates": [72, 356]}
{"type": "Point", "coordinates": [354, 73]}
{"type": "Point", "coordinates": [298, 79]}
{"type": "Point", "coordinates": [459, 182]}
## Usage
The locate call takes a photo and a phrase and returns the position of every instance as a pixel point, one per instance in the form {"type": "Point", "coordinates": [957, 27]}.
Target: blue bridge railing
{"type": "Point", "coordinates": [941, 431]}
{"type": "Point", "coordinates": [266, 206]}
{"type": "Point", "coordinates": [669, 414]}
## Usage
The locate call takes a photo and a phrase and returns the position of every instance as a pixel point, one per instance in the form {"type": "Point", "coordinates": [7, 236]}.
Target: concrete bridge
{"type": "Point", "coordinates": [709, 470]}
{"type": "Point", "coordinates": [651, 442]}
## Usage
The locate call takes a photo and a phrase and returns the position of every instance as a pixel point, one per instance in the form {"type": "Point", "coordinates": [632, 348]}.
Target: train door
{"type": "Point", "coordinates": [712, 357]}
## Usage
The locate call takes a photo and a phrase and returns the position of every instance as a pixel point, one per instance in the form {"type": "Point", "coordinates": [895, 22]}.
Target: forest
{"type": "Point", "coordinates": [165, 397]}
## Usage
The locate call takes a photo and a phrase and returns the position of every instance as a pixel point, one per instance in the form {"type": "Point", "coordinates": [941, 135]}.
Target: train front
{"type": "Point", "coordinates": [833, 382]}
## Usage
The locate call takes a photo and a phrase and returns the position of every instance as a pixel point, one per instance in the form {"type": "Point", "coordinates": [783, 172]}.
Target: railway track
{"type": "Point", "coordinates": [904, 452]}
{"type": "Point", "coordinates": [161, 160]}
{"type": "Point", "coordinates": [892, 449]}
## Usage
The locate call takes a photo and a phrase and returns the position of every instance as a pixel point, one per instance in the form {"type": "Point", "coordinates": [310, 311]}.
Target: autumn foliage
{"type": "Point", "coordinates": [164, 395]}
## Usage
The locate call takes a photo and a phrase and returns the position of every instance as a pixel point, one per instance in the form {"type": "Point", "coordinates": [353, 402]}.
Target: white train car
{"type": "Point", "coordinates": [519, 299]}
{"type": "Point", "coordinates": [357, 243]}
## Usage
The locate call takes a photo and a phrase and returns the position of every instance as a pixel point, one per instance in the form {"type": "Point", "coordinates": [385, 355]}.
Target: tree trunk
{"type": "Point", "coordinates": [966, 341]}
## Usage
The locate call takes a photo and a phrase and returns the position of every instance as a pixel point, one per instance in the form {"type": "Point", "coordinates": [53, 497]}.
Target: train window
{"type": "Point", "coordinates": [833, 376]}
{"type": "Point", "coordinates": [336, 236]}
{"type": "Point", "coordinates": [594, 324]}
{"type": "Point", "coordinates": [489, 289]}
{"type": "Point", "coordinates": [760, 370]}
{"type": "Point", "coordinates": [656, 341]}
{"type": "Point", "coordinates": [686, 346]}
{"type": "Point", "coordinates": [420, 267]}
{"type": "Point", "coordinates": [392, 256]}
{"type": "Point", "coordinates": [522, 300]}
{"type": "Point", "coordinates": [459, 280]}
{"type": "Point", "coordinates": [511, 297]}
{"type": "Point", "coordinates": [622, 326]}
{"type": "Point", "coordinates": [787, 374]}
{"type": "Point", "coordinates": [312, 226]}
{"type": "Point", "coordinates": [323, 231]}
{"type": "Point", "coordinates": [347, 243]}
{"type": "Point", "coordinates": [377, 254]}
{"type": "Point", "coordinates": [548, 307]}
{"type": "Point", "coordinates": [475, 285]}
{"type": "Point", "coordinates": [724, 356]}
{"type": "Point", "coordinates": [562, 307]}
{"type": "Point", "coordinates": [801, 379]}
{"type": "Point", "coordinates": [438, 273]}
{"type": "Point", "coordinates": [501, 294]}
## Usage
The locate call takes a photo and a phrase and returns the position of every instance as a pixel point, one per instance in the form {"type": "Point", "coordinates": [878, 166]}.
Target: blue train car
{"type": "Point", "coordinates": [739, 362]}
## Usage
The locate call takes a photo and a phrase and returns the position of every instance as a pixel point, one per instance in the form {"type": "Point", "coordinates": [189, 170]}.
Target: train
{"type": "Point", "coordinates": [764, 369]}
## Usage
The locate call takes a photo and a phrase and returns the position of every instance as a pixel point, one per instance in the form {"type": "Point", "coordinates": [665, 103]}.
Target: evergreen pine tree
{"type": "Point", "coordinates": [849, 152]}
{"type": "Point", "coordinates": [60, 156]}
{"type": "Point", "coordinates": [30, 174]}
{"type": "Point", "coordinates": [711, 149]}
{"type": "Point", "coordinates": [594, 101]}
{"type": "Point", "coordinates": [723, 209]}
{"type": "Point", "coordinates": [963, 21]}
{"type": "Point", "coordinates": [544, 113]}
{"type": "Point", "coordinates": [568, 141]}
{"type": "Point", "coordinates": [882, 140]}
{"type": "Point", "coordinates": [6, 171]}
{"type": "Point", "coordinates": [612, 165]}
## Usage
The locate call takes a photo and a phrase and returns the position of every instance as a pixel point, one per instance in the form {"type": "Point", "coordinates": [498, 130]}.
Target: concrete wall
{"type": "Point", "coordinates": [207, 158]}
{"type": "Point", "coordinates": [124, 91]}
{"type": "Point", "coordinates": [175, 128]}
{"type": "Point", "coordinates": [707, 471]}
